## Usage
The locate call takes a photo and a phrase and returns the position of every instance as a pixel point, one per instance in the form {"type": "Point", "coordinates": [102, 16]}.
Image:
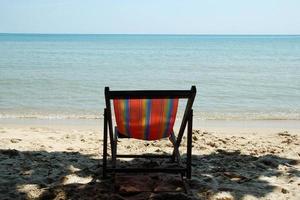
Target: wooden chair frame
{"type": "Point", "coordinates": [113, 135]}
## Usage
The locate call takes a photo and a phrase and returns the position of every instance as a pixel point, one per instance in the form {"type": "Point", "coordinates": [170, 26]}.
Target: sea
{"type": "Point", "coordinates": [62, 76]}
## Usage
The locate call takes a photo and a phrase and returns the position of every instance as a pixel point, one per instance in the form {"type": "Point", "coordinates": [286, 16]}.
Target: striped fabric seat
{"type": "Point", "coordinates": [146, 119]}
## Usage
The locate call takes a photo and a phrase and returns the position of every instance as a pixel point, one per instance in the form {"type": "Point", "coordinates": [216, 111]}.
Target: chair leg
{"type": "Point", "coordinates": [176, 150]}
{"type": "Point", "coordinates": [104, 159]}
{"type": "Point", "coordinates": [114, 154]}
{"type": "Point", "coordinates": [111, 137]}
{"type": "Point", "coordinates": [189, 146]}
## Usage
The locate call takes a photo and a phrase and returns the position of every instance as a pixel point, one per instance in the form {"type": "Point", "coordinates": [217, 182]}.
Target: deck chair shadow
{"type": "Point", "coordinates": [147, 115]}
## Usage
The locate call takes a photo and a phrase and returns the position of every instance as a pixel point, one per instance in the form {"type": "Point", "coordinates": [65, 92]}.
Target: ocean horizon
{"type": "Point", "coordinates": [62, 76]}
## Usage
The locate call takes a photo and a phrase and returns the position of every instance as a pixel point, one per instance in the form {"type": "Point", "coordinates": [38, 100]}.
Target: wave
{"type": "Point", "coordinates": [249, 116]}
{"type": "Point", "coordinates": [197, 116]}
{"type": "Point", "coordinates": [33, 116]}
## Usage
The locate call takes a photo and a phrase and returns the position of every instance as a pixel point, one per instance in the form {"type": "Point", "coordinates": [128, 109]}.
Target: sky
{"type": "Point", "coordinates": [150, 16]}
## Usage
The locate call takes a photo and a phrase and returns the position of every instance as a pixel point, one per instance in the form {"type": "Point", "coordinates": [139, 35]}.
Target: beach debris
{"type": "Point", "coordinates": [284, 191]}
{"type": "Point", "coordinates": [287, 141]}
{"type": "Point", "coordinates": [15, 140]}
{"type": "Point", "coordinates": [212, 144]}
{"type": "Point", "coordinates": [235, 152]}
{"type": "Point", "coordinates": [285, 133]}
{"type": "Point", "coordinates": [236, 177]}
{"type": "Point", "coordinates": [195, 138]}
{"type": "Point", "coordinates": [223, 141]}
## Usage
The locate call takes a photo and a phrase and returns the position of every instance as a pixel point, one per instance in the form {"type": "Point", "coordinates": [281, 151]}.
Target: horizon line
{"type": "Point", "coordinates": [191, 34]}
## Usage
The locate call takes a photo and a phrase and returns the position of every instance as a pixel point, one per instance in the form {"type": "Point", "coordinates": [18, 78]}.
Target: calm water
{"type": "Point", "coordinates": [63, 76]}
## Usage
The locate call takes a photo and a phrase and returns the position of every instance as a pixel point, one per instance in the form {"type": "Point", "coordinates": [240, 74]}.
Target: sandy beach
{"type": "Point", "coordinates": [43, 161]}
{"type": "Point", "coordinates": [226, 71]}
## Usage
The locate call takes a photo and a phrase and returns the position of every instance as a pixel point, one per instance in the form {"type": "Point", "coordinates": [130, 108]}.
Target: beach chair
{"type": "Point", "coordinates": [147, 115]}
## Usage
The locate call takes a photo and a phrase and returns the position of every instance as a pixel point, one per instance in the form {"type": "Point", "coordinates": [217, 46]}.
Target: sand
{"type": "Point", "coordinates": [57, 162]}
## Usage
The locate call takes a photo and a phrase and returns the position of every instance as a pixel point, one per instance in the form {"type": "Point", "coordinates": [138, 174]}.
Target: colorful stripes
{"type": "Point", "coordinates": [147, 119]}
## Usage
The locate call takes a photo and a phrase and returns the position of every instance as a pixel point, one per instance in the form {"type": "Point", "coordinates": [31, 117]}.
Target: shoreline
{"type": "Point", "coordinates": [222, 126]}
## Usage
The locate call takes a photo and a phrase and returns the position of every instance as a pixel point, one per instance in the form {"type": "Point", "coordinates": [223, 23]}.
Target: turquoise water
{"type": "Point", "coordinates": [63, 76]}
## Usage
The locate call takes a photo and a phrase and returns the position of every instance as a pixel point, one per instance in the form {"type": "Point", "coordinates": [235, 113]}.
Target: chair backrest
{"type": "Point", "coordinates": [148, 119]}
{"type": "Point", "coordinates": [147, 114]}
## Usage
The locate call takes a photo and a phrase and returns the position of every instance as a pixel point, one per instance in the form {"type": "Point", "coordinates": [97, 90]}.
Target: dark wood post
{"type": "Point", "coordinates": [188, 108]}
{"type": "Point", "coordinates": [109, 117]}
{"type": "Point", "coordinates": [104, 159]}
{"type": "Point", "coordinates": [189, 145]}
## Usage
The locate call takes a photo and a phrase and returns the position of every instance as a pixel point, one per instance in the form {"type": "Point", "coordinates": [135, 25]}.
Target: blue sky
{"type": "Point", "coordinates": [151, 16]}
